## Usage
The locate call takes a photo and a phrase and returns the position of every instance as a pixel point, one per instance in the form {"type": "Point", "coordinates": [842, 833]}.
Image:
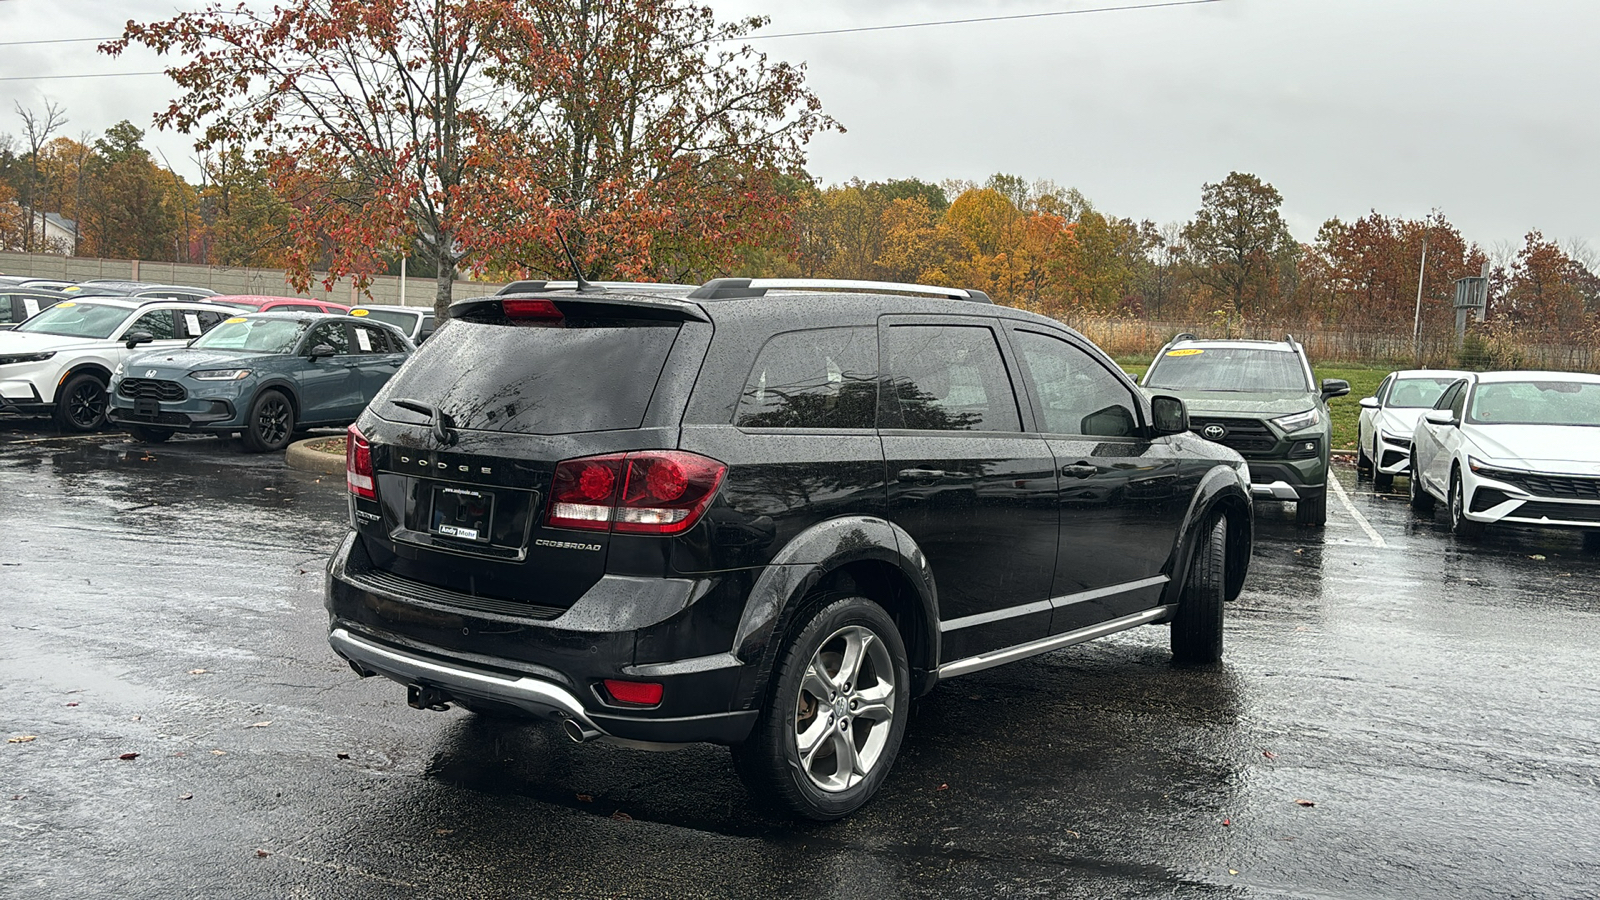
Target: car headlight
{"type": "Point", "coordinates": [1298, 421]}
{"type": "Point", "coordinates": [26, 357]}
{"type": "Point", "coordinates": [1483, 469]}
{"type": "Point", "coordinates": [220, 374]}
{"type": "Point", "coordinates": [1393, 438]}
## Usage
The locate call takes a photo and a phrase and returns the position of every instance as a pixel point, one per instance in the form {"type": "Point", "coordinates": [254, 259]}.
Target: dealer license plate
{"type": "Point", "coordinates": [461, 513]}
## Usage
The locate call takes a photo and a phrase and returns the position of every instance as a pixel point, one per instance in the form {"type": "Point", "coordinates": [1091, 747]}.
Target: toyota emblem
{"type": "Point", "coordinates": [1214, 432]}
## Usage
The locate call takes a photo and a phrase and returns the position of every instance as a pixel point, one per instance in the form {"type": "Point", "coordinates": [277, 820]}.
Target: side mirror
{"type": "Point", "coordinates": [322, 351]}
{"type": "Point", "coordinates": [1369, 402]}
{"type": "Point", "coordinates": [1440, 417]}
{"type": "Point", "coordinates": [1334, 387]}
{"type": "Point", "coordinates": [138, 337]}
{"type": "Point", "coordinates": [1168, 415]}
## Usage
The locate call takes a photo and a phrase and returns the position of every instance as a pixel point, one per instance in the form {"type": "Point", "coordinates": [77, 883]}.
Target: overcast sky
{"type": "Point", "coordinates": [1488, 111]}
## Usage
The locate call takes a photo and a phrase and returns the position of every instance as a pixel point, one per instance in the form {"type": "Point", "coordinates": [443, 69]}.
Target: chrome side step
{"type": "Point", "coordinates": [1054, 642]}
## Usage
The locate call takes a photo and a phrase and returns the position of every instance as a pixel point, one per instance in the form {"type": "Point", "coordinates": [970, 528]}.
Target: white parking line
{"type": "Point", "coordinates": [1377, 539]}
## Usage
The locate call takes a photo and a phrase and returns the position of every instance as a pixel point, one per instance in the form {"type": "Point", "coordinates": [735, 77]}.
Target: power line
{"type": "Point", "coordinates": [754, 37]}
{"type": "Point", "coordinates": [84, 75]}
{"type": "Point", "coordinates": [980, 19]}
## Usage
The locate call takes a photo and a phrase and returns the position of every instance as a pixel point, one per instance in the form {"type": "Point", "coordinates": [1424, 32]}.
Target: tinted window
{"type": "Point", "coordinates": [1076, 394]}
{"type": "Point", "coordinates": [948, 378]}
{"type": "Point", "coordinates": [824, 378]}
{"type": "Point", "coordinates": [332, 334]}
{"type": "Point", "coordinates": [297, 307]}
{"type": "Point", "coordinates": [10, 312]}
{"type": "Point", "coordinates": [369, 340]}
{"type": "Point", "coordinates": [1382, 394]}
{"type": "Point", "coordinates": [1449, 396]}
{"type": "Point", "coordinates": [592, 375]}
{"type": "Point", "coordinates": [157, 323]}
{"type": "Point", "coordinates": [1232, 369]}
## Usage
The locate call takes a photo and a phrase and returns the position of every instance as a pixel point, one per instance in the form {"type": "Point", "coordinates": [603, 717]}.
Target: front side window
{"type": "Point", "coordinates": [821, 378]}
{"type": "Point", "coordinates": [1458, 403]}
{"type": "Point", "coordinates": [1076, 394]}
{"type": "Point", "coordinates": [948, 378]}
{"type": "Point", "coordinates": [1229, 370]}
{"type": "Point", "coordinates": [157, 323]}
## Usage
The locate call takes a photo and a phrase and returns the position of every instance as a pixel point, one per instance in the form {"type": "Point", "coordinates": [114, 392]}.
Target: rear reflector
{"type": "Point", "coordinates": [637, 693]}
{"type": "Point", "coordinates": [644, 492]}
{"type": "Point", "coordinates": [358, 464]}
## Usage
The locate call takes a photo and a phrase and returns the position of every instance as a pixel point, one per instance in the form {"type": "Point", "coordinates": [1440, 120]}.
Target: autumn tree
{"type": "Point", "coordinates": [1548, 294]}
{"type": "Point", "coordinates": [1366, 271]}
{"type": "Point", "coordinates": [125, 212]}
{"type": "Point", "coordinates": [1237, 239]}
{"type": "Point", "coordinates": [36, 131]}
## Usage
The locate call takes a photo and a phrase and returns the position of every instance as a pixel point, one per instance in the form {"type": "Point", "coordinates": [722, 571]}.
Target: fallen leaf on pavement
{"type": "Point", "coordinates": [198, 672]}
{"type": "Point", "coordinates": [585, 798]}
{"type": "Point", "coordinates": [262, 854]}
{"type": "Point", "coordinates": [219, 753]}
{"type": "Point", "coordinates": [1269, 754]}
{"type": "Point", "coordinates": [1233, 871]}
{"type": "Point", "coordinates": [1226, 822]}
{"type": "Point", "coordinates": [1305, 802]}
{"type": "Point", "coordinates": [73, 703]}
{"type": "Point", "coordinates": [185, 796]}
{"type": "Point", "coordinates": [21, 739]}
{"type": "Point", "coordinates": [942, 787]}
{"type": "Point", "coordinates": [1538, 556]}
{"type": "Point", "coordinates": [129, 756]}
{"type": "Point", "coordinates": [444, 831]}
{"type": "Point", "coordinates": [260, 724]}
{"type": "Point", "coordinates": [621, 816]}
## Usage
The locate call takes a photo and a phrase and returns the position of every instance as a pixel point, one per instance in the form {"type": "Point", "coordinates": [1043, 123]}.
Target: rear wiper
{"type": "Point", "coordinates": [443, 425]}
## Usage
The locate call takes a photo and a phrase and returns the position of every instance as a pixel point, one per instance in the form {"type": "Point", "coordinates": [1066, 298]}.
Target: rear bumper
{"type": "Point", "coordinates": [547, 668]}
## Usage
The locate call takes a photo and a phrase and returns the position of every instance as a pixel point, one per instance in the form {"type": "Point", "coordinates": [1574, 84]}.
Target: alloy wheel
{"type": "Point", "coordinates": [272, 422]}
{"type": "Point", "coordinates": [87, 404]}
{"type": "Point", "coordinates": [845, 709]}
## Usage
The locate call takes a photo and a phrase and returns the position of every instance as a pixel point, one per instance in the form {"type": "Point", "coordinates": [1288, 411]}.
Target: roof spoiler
{"type": "Point", "coordinates": [749, 288]}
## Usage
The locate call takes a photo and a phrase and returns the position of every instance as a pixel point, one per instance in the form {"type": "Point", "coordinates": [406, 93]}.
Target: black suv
{"type": "Point", "coordinates": [766, 514]}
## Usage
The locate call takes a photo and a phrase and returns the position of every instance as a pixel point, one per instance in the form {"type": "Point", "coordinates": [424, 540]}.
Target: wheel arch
{"type": "Point", "coordinates": [1219, 492]}
{"type": "Point", "coordinates": [281, 385]}
{"type": "Point", "coordinates": [856, 554]}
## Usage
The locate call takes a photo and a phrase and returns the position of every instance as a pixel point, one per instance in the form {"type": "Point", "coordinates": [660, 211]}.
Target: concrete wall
{"type": "Point", "coordinates": [384, 289]}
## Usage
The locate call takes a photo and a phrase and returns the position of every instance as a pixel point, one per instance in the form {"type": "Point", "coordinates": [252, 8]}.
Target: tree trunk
{"type": "Point", "coordinates": [444, 284]}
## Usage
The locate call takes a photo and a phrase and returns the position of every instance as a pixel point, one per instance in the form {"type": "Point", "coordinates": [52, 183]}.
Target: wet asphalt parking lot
{"type": "Point", "coordinates": [1399, 715]}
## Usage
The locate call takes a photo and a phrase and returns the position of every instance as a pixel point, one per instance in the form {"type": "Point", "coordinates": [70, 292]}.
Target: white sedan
{"type": "Point", "coordinates": [1514, 447]}
{"type": "Point", "coordinates": [1390, 416]}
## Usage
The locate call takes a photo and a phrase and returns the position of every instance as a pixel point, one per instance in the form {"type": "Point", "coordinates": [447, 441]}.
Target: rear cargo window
{"type": "Point", "coordinates": [588, 376]}
{"type": "Point", "coordinates": [823, 378]}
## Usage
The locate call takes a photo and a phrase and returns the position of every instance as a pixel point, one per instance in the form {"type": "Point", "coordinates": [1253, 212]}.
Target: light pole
{"type": "Point", "coordinates": [1416, 322]}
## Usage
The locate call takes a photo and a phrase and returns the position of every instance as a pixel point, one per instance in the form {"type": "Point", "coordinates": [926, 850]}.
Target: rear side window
{"type": "Point", "coordinates": [948, 378]}
{"type": "Point", "coordinates": [332, 334]}
{"type": "Point", "coordinates": [821, 378]}
{"type": "Point", "coordinates": [157, 323]}
{"type": "Point", "coordinates": [591, 375]}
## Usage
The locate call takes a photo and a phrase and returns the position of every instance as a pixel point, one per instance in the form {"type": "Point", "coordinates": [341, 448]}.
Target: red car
{"type": "Point", "coordinates": [260, 303]}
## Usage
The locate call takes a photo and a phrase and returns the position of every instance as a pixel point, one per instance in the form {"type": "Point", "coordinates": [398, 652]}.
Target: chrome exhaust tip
{"type": "Point", "coordinates": [575, 730]}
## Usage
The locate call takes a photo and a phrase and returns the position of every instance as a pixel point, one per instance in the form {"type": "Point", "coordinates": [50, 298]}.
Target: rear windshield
{"type": "Point", "coordinates": [1233, 369]}
{"type": "Point", "coordinates": [587, 376]}
{"type": "Point", "coordinates": [404, 321]}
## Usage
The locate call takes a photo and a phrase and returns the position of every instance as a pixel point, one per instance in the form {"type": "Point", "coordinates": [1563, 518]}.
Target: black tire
{"type": "Point", "coordinates": [1312, 507]}
{"type": "Point", "coordinates": [1364, 463]}
{"type": "Point", "coordinates": [771, 763]}
{"type": "Point", "coordinates": [1421, 500]}
{"type": "Point", "coordinates": [1382, 482]}
{"type": "Point", "coordinates": [150, 435]}
{"type": "Point", "coordinates": [81, 404]}
{"type": "Point", "coordinates": [270, 425]}
{"type": "Point", "coordinates": [1197, 625]}
{"type": "Point", "coordinates": [1460, 525]}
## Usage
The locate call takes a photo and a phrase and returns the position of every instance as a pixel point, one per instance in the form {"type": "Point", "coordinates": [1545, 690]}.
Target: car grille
{"type": "Point", "coordinates": [1555, 486]}
{"type": "Point", "coordinates": [1244, 435]}
{"type": "Point", "coordinates": [152, 389]}
{"type": "Point", "coordinates": [1570, 512]}
{"type": "Point", "coordinates": [389, 583]}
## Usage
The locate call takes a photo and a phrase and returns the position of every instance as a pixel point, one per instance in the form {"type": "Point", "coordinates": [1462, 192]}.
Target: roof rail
{"type": "Point", "coordinates": [533, 287]}
{"type": "Point", "coordinates": [742, 288]}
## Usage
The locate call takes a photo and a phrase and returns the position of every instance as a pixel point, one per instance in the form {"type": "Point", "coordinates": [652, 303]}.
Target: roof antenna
{"type": "Point", "coordinates": [577, 273]}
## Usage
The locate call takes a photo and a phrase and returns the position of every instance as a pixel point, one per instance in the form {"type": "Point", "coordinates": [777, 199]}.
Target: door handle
{"type": "Point", "coordinates": [920, 474]}
{"type": "Point", "coordinates": [1080, 470]}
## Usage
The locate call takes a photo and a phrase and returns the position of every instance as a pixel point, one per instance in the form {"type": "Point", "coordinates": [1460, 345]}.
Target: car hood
{"type": "Point", "coordinates": [1229, 403]}
{"type": "Point", "coordinates": [1570, 449]}
{"type": "Point", "coordinates": [164, 362]}
{"type": "Point", "coordinates": [33, 342]}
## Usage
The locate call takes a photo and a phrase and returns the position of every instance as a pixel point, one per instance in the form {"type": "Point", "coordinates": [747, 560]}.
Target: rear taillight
{"type": "Point", "coordinates": [634, 693]}
{"type": "Point", "coordinates": [358, 464]}
{"type": "Point", "coordinates": [644, 492]}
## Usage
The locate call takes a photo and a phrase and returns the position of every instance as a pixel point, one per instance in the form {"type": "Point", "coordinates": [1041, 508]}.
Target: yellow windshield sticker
{"type": "Point", "coordinates": [358, 312]}
{"type": "Point", "coordinates": [1189, 352]}
{"type": "Point", "coordinates": [66, 304]}
{"type": "Point", "coordinates": [236, 320]}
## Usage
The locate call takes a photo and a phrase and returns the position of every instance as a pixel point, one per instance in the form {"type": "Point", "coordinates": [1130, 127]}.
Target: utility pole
{"type": "Point", "coordinates": [1416, 323]}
